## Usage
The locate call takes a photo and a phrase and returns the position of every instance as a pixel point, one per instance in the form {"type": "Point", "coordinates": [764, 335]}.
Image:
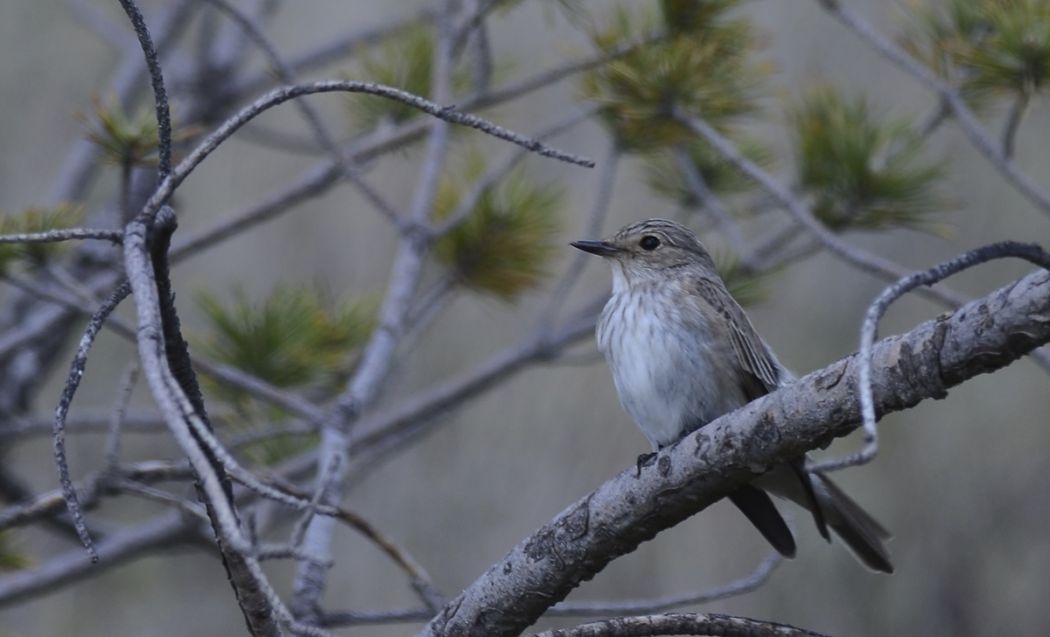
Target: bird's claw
{"type": "Point", "coordinates": [644, 460]}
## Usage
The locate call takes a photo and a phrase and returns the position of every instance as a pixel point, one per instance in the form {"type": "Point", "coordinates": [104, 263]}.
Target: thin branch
{"type": "Point", "coordinates": [80, 163]}
{"type": "Point", "coordinates": [979, 137]}
{"type": "Point", "coordinates": [341, 47]}
{"type": "Point", "coordinates": [159, 495]}
{"type": "Point", "coordinates": [544, 79]}
{"type": "Point", "coordinates": [404, 560]}
{"type": "Point", "coordinates": [76, 372]}
{"type": "Point", "coordinates": [869, 331]}
{"type": "Point", "coordinates": [324, 137]}
{"type": "Point", "coordinates": [225, 374]}
{"type": "Point", "coordinates": [70, 234]}
{"type": "Point", "coordinates": [160, 95]}
{"type": "Point", "coordinates": [858, 257]}
{"type": "Point", "coordinates": [93, 422]}
{"type": "Point", "coordinates": [500, 169]}
{"type": "Point", "coordinates": [680, 624]}
{"type": "Point", "coordinates": [72, 566]}
{"type": "Point", "coordinates": [127, 385]}
{"type": "Point", "coordinates": [593, 228]}
{"type": "Point", "coordinates": [365, 618]}
{"type": "Point", "coordinates": [378, 355]}
{"type": "Point", "coordinates": [281, 95]}
{"type": "Point", "coordinates": [712, 204]}
{"type": "Point", "coordinates": [319, 178]}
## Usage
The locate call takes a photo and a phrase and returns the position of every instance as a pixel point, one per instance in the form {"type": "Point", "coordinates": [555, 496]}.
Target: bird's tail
{"type": "Point", "coordinates": [863, 535]}
{"type": "Point", "coordinates": [833, 509]}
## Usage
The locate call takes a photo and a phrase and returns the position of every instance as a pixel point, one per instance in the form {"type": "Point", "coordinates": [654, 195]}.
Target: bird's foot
{"type": "Point", "coordinates": [644, 460]}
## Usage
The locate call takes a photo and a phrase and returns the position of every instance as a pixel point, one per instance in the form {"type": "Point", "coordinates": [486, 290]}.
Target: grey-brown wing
{"type": "Point", "coordinates": [761, 370]}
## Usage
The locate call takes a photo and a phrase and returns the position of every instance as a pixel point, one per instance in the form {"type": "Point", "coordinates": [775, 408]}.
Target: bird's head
{"type": "Point", "coordinates": [650, 249]}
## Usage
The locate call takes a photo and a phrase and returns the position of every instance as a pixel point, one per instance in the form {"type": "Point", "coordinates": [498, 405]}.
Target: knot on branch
{"type": "Point", "coordinates": [549, 542]}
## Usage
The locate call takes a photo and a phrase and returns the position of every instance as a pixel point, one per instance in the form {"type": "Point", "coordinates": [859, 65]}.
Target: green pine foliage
{"type": "Point", "coordinates": [35, 255]}
{"type": "Point", "coordinates": [405, 62]}
{"type": "Point", "coordinates": [293, 338]}
{"type": "Point", "coordinates": [702, 64]}
{"type": "Point", "coordinates": [507, 243]}
{"type": "Point", "coordinates": [987, 48]}
{"type": "Point", "coordinates": [10, 558]}
{"type": "Point", "coordinates": [125, 139]}
{"type": "Point", "coordinates": [861, 172]}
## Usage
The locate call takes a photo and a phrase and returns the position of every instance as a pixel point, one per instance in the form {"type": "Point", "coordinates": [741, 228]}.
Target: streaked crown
{"type": "Point", "coordinates": [660, 243]}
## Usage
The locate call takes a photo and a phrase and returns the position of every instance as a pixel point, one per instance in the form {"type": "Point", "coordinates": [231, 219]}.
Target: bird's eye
{"type": "Point", "coordinates": [649, 242]}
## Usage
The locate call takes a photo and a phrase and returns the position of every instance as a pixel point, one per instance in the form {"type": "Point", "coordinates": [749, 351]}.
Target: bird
{"type": "Point", "coordinates": [683, 352]}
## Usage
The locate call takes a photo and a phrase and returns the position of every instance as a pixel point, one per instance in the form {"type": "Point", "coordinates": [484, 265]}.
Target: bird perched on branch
{"type": "Point", "coordinates": [683, 352]}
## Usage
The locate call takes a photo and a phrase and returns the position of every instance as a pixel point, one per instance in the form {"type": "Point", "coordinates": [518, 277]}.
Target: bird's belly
{"type": "Point", "coordinates": [667, 379]}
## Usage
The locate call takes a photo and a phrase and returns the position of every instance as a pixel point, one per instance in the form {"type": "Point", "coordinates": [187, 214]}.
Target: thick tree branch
{"type": "Point", "coordinates": [982, 336]}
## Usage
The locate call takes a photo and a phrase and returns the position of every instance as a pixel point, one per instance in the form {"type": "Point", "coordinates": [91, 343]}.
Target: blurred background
{"type": "Point", "coordinates": [961, 482]}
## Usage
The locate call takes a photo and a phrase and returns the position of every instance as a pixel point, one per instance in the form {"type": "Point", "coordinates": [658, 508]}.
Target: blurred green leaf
{"type": "Point", "coordinates": [33, 220]}
{"type": "Point", "coordinates": [694, 16]}
{"type": "Point", "coordinates": [1015, 56]}
{"type": "Point", "coordinates": [506, 244]}
{"type": "Point", "coordinates": [11, 559]}
{"type": "Point", "coordinates": [293, 338]}
{"type": "Point", "coordinates": [844, 162]}
{"type": "Point", "coordinates": [987, 48]}
{"type": "Point", "coordinates": [706, 69]}
{"type": "Point", "coordinates": [123, 138]}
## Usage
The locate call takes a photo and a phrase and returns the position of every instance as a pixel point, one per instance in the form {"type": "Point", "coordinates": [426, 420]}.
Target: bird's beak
{"type": "Point", "coordinates": [601, 248]}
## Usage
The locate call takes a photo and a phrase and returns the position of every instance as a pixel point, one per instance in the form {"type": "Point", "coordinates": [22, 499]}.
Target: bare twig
{"type": "Point", "coordinates": [869, 331]}
{"type": "Point", "coordinates": [980, 138]}
{"type": "Point", "coordinates": [127, 385]}
{"type": "Point", "coordinates": [324, 137]}
{"type": "Point", "coordinates": [338, 48]}
{"type": "Point", "coordinates": [500, 169]}
{"type": "Point", "coordinates": [377, 358]}
{"type": "Point", "coordinates": [319, 178]}
{"type": "Point", "coordinates": [855, 256]}
{"type": "Point", "coordinates": [680, 624]}
{"type": "Point", "coordinates": [76, 372]}
{"type": "Point", "coordinates": [712, 204]}
{"type": "Point", "coordinates": [70, 234]}
{"type": "Point", "coordinates": [81, 163]}
{"type": "Point", "coordinates": [160, 95]}
{"type": "Point", "coordinates": [600, 209]}
{"type": "Point", "coordinates": [66, 568]}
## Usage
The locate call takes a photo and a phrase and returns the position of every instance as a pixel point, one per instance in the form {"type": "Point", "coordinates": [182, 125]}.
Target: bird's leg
{"type": "Point", "coordinates": [644, 460]}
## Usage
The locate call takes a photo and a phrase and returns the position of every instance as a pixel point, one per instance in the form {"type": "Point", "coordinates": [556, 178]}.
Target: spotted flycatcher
{"type": "Point", "coordinates": [682, 353]}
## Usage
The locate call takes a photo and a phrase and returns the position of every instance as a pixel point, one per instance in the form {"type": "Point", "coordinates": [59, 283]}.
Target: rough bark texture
{"type": "Point", "coordinates": [983, 336]}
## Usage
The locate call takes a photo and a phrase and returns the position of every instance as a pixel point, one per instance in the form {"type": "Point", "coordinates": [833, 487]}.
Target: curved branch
{"type": "Point", "coordinates": [982, 336]}
{"type": "Point", "coordinates": [680, 624]}
{"type": "Point", "coordinates": [280, 95]}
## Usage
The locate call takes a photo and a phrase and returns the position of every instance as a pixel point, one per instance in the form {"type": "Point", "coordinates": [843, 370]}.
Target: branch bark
{"type": "Point", "coordinates": [982, 336]}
